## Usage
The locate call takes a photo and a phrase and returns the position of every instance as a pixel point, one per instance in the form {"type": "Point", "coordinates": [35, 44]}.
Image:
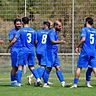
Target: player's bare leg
{"type": "Point", "coordinates": [36, 75]}
{"type": "Point", "coordinates": [77, 75]}
{"type": "Point", "coordinates": [29, 78]}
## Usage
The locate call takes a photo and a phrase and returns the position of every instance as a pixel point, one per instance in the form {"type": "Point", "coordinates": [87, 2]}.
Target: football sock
{"type": "Point", "coordinates": [46, 76]}
{"type": "Point", "coordinates": [19, 76]}
{"type": "Point", "coordinates": [35, 73]}
{"type": "Point", "coordinates": [76, 80]}
{"type": "Point", "coordinates": [88, 74]}
{"type": "Point", "coordinates": [40, 71]}
{"type": "Point", "coordinates": [12, 77]}
{"type": "Point", "coordinates": [60, 75]}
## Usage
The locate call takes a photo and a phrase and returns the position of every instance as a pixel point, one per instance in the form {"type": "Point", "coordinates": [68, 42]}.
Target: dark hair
{"type": "Point", "coordinates": [25, 20]}
{"type": "Point", "coordinates": [46, 23]}
{"type": "Point", "coordinates": [89, 20]}
{"type": "Point", "coordinates": [17, 20]}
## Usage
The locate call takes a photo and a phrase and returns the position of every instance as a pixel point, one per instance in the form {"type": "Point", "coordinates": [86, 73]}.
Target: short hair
{"type": "Point", "coordinates": [25, 20]}
{"type": "Point", "coordinates": [46, 23]}
{"type": "Point", "coordinates": [89, 20]}
{"type": "Point", "coordinates": [17, 20]}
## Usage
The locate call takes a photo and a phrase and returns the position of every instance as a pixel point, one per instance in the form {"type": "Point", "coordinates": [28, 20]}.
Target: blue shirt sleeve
{"type": "Point", "coordinates": [52, 35]}
{"type": "Point", "coordinates": [18, 34]}
{"type": "Point", "coordinates": [11, 35]}
{"type": "Point", "coordinates": [83, 32]}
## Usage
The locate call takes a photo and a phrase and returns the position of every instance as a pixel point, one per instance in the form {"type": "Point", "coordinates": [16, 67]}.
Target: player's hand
{"type": "Point", "coordinates": [62, 42]}
{"type": "Point", "coordinates": [1, 42]}
{"type": "Point", "coordinates": [77, 50]}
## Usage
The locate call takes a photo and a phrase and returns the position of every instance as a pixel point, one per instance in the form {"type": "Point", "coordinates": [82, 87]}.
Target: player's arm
{"type": "Point", "coordinates": [80, 44]}
{"type": "Point", "coordinates": [10, 36]}
{"type": "Point", "coordinates": [16, 36]}
{"type": "Point", "coordinates": [35, 39]}
{"type": "Point", "coordinates": [57, 42]}
{"type": "Point", "coordinates": [35, 43]}
{"type": "Point", "coordinates": [53, 41]}
{"type": "Point", "coordinates": [1, 41]}
{"type": "Point", "coordinates": [12, 41]}
{"type": "Point", "coordinates": [82, 40]}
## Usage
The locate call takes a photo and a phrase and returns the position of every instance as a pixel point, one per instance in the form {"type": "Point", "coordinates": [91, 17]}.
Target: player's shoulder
{"type": "Point", "coordinates": [12, 30]}
{"type": "Point", "coordinates": [40, 30]}
{"type": "Point", "coordinates": [31, 29]}
{"type": "Point", "coordinates": [27, 29]}
{"type": "Point", "coordinates": [52, 32]}
{"type": "Point", "coordinates": [84, 28]}
{"type": "Point", "coordinates": [43, 31]}
{"type": "Point", "coordinates": [94, 29]}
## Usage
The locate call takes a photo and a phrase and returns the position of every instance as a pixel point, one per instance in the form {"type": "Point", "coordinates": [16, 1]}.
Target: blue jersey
{"type": "Point", "coordinates": [90, 42]}
{"type": "Point", "coordinates": [11, 35]}
{"type": "Point", "coordinates": [52, 36]}
{"type": "Point", "coordinates": [27, 36]}
{"type": "Point", "coordinates": [52, 49]}
{"type": "Point", "coordinates": [26, 54]}
{"type": "Point", "coordinates": [42, 39]}
{"type": "Point", "coordinates": [14, 48]}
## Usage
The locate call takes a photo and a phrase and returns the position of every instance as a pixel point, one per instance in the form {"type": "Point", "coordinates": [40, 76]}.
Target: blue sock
{"type": "Point", "coordinates": [15, 77]}
{"type": "Point", "coordinates": [88, 74]}
{"type": "Point", "coordinates": [19, 76]}
{"type": "Point", "coordinates": [60, 75]}
{"type": "Point", "coordinates": [46, 76]}
{"type": "Point", "coordinates": [35, 73]}
{"type": "Point", "coordinates": [76, 80]}
{"type": "Point", "coordinates": [40, 71]}
{"type": "Point", "coordinates": [12, 77]}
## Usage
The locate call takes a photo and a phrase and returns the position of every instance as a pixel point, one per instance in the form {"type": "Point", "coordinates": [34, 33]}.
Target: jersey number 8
{"type": "Point", "coordinates": [44, 39]}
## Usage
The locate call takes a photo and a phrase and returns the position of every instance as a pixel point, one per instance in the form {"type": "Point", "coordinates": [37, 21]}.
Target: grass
{"type": "Point", "coordinates": [55, 90]}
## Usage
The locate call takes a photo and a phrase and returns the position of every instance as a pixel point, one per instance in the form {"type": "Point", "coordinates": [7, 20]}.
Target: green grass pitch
{"type": "Point", "coordinates": [55, 90]}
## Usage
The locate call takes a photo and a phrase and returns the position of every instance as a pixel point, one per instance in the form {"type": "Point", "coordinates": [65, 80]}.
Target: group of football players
{"type": "Point", "coordinates": [25, 44]}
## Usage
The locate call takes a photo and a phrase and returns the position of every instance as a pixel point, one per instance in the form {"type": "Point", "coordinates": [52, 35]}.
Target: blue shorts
{"type": "Point", "coordinates": [14, 57]}
{"type": "Point", "coordinates": [84, 61]}
{"type": "Point", "coordinates": [26, 57]}
{"type": "Point", "coordinates": [52, 59]}
{"type": "Point", "coordinates": [41, 59]}
{"type": "Point", "coordinates": [92, 62]}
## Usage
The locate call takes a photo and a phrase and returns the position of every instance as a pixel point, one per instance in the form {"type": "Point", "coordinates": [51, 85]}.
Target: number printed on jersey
{"type": "Point", "coordinates": [28, 37]}
{"type": "Point", "coordinates": [91, 38]}
{"type": "Point", "coordinates": [44, 39]}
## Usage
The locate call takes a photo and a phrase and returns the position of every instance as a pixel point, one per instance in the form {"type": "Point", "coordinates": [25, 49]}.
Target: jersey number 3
{"type": "Point", "coordinates": [28, 37]}
{"type": "Point", "coordinates": [91, 38]}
